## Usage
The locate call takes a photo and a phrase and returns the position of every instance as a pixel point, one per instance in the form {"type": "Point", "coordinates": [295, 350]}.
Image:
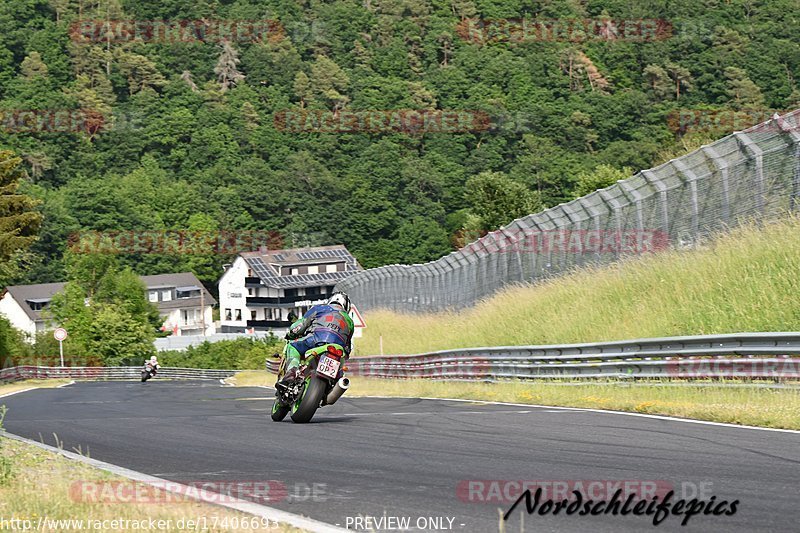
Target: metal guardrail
{"type": "Point", "coordinates": [734, 356]}
{"type": "Point", "coordinates": [17, 373]}
{"type": "Point", "coordinates": [749, 356]}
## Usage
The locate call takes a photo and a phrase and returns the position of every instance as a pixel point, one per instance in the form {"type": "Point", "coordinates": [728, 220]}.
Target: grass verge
{"type": "Point", "coordinates": [42, 484]}
{"type": "Point", "coordinates": [746, 280]}
{"type": "Point", "coordinates": [31, 384]}
{"type": "Point", "coordinates": [764, 407]}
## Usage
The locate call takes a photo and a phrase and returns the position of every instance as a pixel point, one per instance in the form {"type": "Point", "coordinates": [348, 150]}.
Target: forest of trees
{"type": "Point", "coordinates": [183, 136]}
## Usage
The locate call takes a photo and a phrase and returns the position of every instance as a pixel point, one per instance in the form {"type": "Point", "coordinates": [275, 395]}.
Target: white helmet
{"type": "Point", "coordinates": [341, 299]}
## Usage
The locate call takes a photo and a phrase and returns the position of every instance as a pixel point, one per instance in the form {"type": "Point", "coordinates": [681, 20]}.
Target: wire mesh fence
{"type": "Point", "coordinates": [749, 175]}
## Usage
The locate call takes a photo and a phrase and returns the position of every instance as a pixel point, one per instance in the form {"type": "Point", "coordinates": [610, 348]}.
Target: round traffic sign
{"type": "Point", "coordinates": [60, 334]}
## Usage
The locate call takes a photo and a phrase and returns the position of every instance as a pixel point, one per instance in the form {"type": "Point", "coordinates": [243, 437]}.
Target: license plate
{"type": "Point", "coordinates": [328, 367]}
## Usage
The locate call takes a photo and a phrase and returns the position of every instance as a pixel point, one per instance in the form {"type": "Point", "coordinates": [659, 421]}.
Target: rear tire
{"type": "Point", "coordinates": [279, 411]}
{"type": "Point", "coordinates": [310, 402]}
{"type": "Point", "coordinates": [145, 375]}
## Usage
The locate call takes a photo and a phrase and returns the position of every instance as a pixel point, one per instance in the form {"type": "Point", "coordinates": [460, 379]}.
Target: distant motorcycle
{"type": "Point", "coordinates": [321, 383]}
{"type": "Point", "coordinates": [148, 371]}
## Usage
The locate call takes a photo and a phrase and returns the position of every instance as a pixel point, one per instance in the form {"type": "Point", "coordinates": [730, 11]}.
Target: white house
{"type": "Point", "coordinates": [260, 289]}
{"type": "Point", "coordinates": [181, 300]}
{"type": "Point", "coordinates": [22, 305]}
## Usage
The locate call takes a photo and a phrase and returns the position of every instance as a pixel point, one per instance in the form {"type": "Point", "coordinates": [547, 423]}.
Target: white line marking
{"type": "Point", "coordinates": [66, 384]}
{"type": "Point", "coordinates": [588, 410]}
{"type": "Point", "coordinates": [17, 392]}
{"type": "Point", "coordinates": [203, 495]}
{"type": "Point", "coordinates": [429, 413]}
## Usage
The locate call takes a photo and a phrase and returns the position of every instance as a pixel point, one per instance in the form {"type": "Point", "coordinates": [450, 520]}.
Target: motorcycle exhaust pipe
{"type": "Point", "coordinates": [341, 387]}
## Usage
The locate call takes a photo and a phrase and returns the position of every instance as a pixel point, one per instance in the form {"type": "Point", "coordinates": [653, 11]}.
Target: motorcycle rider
{"type": "Point", "coordinates": [327, 323]}
{"type": "Point", "coordinates": [153, 362]}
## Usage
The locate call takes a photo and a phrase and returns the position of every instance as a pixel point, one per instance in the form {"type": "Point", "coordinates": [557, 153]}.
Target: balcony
{"type": "Point", "coordinates": [261, 301]}
{"type": "Point", "coordinates": [266, 324]}
{"type": "Point", "coordinates": [252, 281]}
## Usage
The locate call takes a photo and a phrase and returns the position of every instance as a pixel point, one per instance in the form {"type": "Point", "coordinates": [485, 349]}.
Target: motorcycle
{"type": "Point", "coordinates": [321, 382]}
{"type": "Point", "coordinates": [148, 371]}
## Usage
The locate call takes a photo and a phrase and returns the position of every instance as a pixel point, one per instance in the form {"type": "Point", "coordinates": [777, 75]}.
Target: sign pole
{"type": "Point", "coordinates": [60, 334]}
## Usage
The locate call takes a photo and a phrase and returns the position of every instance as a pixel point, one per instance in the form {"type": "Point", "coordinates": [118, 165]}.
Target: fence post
{"type": "Point", "coordinates": [594, 214]}
{"type": "Point", "coordinates": [795, 136]}
{"type": "Point", "coordinates": [691, 178]}
{"type": "Point", "coordinates": [659, 186]}
{"type": "Point", "coordinates": [615, 208]}
{"type": "Point", "coordinates": [722, 167]}
{"type": "Point", "coordinates": [577, 223]}
{"type": "Point", "coordinates": [757, 153]}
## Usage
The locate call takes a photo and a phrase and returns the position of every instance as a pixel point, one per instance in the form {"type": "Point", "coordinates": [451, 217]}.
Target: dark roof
{"type": "Point", "coordinates": [263, 265]}
{"type": "Point", "coordinates": [183, 280]}
{"type": "Point", "coordinates": [43, 292]}
{"type": "Point", "coordinates": [40, 291]}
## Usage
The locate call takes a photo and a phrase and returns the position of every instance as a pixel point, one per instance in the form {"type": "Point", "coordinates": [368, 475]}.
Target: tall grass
{"type": "Point", "coordinates": [45, 483]}
{"type": "Point", "coordinates": [746, 280]}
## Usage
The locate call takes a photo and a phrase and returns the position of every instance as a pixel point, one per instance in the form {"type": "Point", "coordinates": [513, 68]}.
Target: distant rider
{"type": "Point", "coordinates": [323, 324]}
{"type": "Point", "coordinates": [153, 362]}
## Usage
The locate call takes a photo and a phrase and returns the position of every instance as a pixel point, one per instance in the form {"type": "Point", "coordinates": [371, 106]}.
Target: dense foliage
{"type": "Point", "coordinates": [184, 134]}
{"type": "Point", "coordinates": [239, 354]}
{"type": "Point", "coordinates": [106, 312]}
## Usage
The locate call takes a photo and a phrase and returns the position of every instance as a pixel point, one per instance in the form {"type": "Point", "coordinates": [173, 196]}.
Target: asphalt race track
{"type": "Point", "coordinates": [415, 458]}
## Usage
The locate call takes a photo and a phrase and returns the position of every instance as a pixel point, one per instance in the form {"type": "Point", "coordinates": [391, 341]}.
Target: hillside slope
{"type": "Point", "coordinates": [747, 280]}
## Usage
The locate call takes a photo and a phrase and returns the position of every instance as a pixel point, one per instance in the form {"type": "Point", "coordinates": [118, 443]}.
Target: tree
{"type": "Point", "coordinates": [19, 220]}
{"type": "Point", "coordinates": [186, 76]}
{"type": "Point", "coordinates": [328, 83]}
{"type": "Point", "coordinates": [742, 91]}
{"type": "Point", "coordinates": [227, 69]}
{"type": "Point", "coordinates": [105, 310]}
{"type": "Point", "coordinates": [601, 177]}
{"type": "Point", "coordinates": [681, 77]}
{"type": "Point", "coordinates": [141, 72]}
{"type": "Point", "coordinates": [657, 81]}
{"type": "Point", "coordinates": [302, 87]}
{"type": "Point", "coordinates": [33, 67]}
{"type": "Point", "coordinates": [497, 200]}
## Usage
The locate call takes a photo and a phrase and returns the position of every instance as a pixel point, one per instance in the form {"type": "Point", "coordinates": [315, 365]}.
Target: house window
{"type": "Point", "coordinates": [166, 295]}
{"type": "Point", "coordinates": [252, 315]}
{"type": "Point", "coordinates": [152, 296]}
{"type": "Point", "coordinates": [187, 294]}
{"type": "Point", "coordinates": [250, 291]}
{"type": "Point", "coordinates": [313, 269]}
{"type": "Point", "coordinates": [190, 316]}
{"type": "Point", "coordinates": [238, 314]}
{"type": "Point", "coordinates": [294, 271]}
{"type": "Point", "coordinates": [227, 314]}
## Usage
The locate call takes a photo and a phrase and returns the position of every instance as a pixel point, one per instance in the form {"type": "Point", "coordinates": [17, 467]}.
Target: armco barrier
{"type": "Point", "coordinates": [106, 373]}
{"type": "Point", "coordinates": [749, 356]}
{"type": "Point", "coordinates": [738, 356]}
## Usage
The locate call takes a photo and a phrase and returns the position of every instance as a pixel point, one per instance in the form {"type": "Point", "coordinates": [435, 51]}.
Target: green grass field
{"type": "Point", "coordinates": [36, 485]}
{"type": "Point", "coordinates": [746, 280]}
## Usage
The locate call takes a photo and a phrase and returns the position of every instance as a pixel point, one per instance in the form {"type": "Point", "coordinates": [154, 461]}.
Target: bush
{"type": "Point", "coordinates": [239, 354]}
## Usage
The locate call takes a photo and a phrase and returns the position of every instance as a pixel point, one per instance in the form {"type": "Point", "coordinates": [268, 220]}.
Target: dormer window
{"type": "Point", "coordinates": [191, 291]}
{"type": "Point", "coordinates": [37, 304]}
